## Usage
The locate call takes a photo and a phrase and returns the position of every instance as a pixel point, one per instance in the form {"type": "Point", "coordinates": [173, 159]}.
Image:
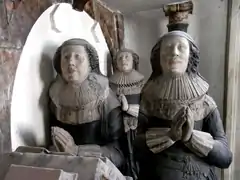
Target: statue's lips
{"type": "Point", "coordinates": [174, 62]}
{"type": "Point", "coordinates": [71, 70]}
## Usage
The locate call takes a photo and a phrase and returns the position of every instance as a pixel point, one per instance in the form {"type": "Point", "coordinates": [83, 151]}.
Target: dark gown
{"type": "Point", "coordinates": [131, 168]}
{"type": "Point", "coordinates": [178, 162]}
{"type": "Point", "coordinates": [105, 131]}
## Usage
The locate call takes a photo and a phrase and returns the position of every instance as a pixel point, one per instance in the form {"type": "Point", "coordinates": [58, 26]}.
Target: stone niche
{"type": "Point", "coordinates": [30, 32]}
{"type": "Point", "coordinates": [143, 23]}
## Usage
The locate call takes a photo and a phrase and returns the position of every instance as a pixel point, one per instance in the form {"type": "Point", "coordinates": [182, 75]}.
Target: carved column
{"type": "Point", "coordinates": [178, 15]}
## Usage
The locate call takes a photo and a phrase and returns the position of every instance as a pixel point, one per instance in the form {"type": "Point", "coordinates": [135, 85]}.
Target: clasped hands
{"type": "Point", "coordinates": [64, 142]}
{"type": "Point", "coordinates": [182, 125]}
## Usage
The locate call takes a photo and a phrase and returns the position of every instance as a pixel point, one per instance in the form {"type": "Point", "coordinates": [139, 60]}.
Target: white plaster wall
{"type": "Point", "coordinates": [208, 29]}
{"type": "Point", "coordinates": [29, 109]}
{"type": "Point", "coordinates": [141, 34]}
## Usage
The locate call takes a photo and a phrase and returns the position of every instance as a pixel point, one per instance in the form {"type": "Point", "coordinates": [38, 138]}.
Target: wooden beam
{"type": "Point", "coordinates": [111, 23]}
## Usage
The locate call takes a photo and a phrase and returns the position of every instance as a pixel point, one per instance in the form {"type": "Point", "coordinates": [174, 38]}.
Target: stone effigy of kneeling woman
{"type": "Point", "coordinates": [86, 113]}
{"type": "Point", "coordinates": [180, 132]}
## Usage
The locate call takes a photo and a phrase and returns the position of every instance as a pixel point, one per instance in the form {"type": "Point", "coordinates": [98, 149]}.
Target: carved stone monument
{"type": "Point", "coordinates": [127, 83]}
{"type": "Point", "coordinates": [42, 160]}
{"type": "Point", "coordinates": [180, 135]}
{"type": "Point", "coordinates": [35, 173]}
{"type": "Point", "coordinates": [86, 117]}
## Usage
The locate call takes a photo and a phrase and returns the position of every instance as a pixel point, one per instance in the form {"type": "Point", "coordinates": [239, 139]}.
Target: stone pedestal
{"type": "Point", "coordinates": [87, 168]}
{"type": "Point", "coordinates": [35, 173]}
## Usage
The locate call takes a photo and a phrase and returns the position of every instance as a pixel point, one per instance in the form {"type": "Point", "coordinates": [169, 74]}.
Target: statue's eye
{"type": "Point", "coordinates": [120, 58]}
{"type": "Point", "coordinates": [67, 56]}
{"type": "Point", "coordinates": [181, 47]}
{"type": "Point", "coordinates": [77, 56]}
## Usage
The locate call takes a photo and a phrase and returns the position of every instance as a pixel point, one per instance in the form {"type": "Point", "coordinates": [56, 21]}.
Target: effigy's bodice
{"type": "Point", "coordinates": [129, 85]}
{"type": "Point", "coordinates": [162, 99]}
{"type": "Point", "coordinates": [79, 105]}
{"type": "Point", "coordinates": [178, 161]}
{"type": "Point", "coordinates": [80, 110]}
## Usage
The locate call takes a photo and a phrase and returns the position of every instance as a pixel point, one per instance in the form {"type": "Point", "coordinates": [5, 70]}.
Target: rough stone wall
{"type": "Point", "coordinates": [16, 20]}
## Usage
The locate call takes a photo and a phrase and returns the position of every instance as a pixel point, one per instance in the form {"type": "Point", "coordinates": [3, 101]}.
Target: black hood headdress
{"type": "Point", "coordinates": [193, 58]}
{"type": "Point", "coordinates": [91, 52]}
{"type": "Point", "coordinates": [134, 55]}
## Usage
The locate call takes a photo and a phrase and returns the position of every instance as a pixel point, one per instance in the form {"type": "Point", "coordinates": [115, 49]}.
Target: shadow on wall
{"type": "Point", "coordinates": [46, 75]}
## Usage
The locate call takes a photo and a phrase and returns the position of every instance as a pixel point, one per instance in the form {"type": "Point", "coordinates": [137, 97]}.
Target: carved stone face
{"type": "Point", "coordinates": [174, 55]}
{"type": "Point", "coordinates": [74, 63]}
{"type": "Point", "coordinates": [125, 62]}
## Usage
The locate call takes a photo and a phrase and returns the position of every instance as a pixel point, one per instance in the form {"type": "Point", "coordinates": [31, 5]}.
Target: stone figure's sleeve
{"type": "Point", "coordinates": [212, 143]}
{"type": "Point", "coordinates": [52, 118]}
{"type": "Point", "coordinates": [134, 102]}
{"type": "Point", "coordinates": [141, 152]}
{"type": "Point", "coordinates": [112, 129]}
{"type": "Point", "coordinates": [220, 155]}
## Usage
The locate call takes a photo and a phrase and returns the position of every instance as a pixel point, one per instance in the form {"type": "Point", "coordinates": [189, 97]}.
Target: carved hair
{"type": "Point", "coordinates": [193, 62]}
{"type": "Point", "coordinates": [90, 50]}
{"type": "Point", "coordinates": [134, 55]}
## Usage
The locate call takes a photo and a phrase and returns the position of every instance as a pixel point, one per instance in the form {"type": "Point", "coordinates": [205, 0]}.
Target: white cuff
{"type": "Point", "coordinates": [200, 143]}
{"type": "Point", "coordinates": [133, 109]}
{"type": "Point", "coordinates": [157, 139]}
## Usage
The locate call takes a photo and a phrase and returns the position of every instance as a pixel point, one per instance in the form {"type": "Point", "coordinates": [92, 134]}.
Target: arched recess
{"type": "Point", "coordinates": [15, 24]}
{"type": "Point", "coordinates": [29, 110]}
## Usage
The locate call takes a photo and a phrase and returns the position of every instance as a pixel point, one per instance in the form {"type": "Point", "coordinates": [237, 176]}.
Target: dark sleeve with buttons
{"type": "Point", "coordinates": [220, 155]}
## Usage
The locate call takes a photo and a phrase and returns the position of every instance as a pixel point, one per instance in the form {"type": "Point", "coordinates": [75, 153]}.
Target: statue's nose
{"type": "Point", "coordinates": [175, 51]}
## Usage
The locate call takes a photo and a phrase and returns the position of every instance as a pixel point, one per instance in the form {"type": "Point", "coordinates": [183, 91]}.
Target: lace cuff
{"type": "Point", "coordinates": [157, 139]}
{"type": "Point", "coordinates": [200, 143]}
{"type": "Point", "coordinates": [133, 109]}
